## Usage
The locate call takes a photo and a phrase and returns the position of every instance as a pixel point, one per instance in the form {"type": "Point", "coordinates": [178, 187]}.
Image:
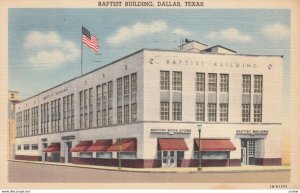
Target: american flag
{"type": "Point", "coordinates": [90, 40]}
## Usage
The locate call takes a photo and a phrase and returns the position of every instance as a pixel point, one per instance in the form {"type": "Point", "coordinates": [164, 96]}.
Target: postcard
{"type": "Point", "coordinates": [149, 94]}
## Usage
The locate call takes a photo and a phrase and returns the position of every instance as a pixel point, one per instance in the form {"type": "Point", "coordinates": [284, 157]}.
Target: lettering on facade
{"type": "Point", "coordinates": [252, 132]}
{"type": "Point", "coordinates": [171, 131]}
{"type": "Point", "coordinates": [56, 93]}
{"type": "Point", "coordinates": [44, 139]}
{"type": "Point", "coordinates": [68, 137]}
{"type": "Point", "coordinates": [206, 64]}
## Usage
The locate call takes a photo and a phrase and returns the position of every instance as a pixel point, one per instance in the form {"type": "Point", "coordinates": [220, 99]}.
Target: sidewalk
{"type": "Point", "coordinates": [232, 169]}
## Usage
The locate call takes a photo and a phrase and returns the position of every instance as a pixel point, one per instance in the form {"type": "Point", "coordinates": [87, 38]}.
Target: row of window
{"type": "Point", "coordinates": [211, 112]}
{"type": "Point", "coordinates": [212, 82]}
{"type": "Point", "coordinates": [51, 111]}
{"type": "Point", "coordinates": [28, 147]}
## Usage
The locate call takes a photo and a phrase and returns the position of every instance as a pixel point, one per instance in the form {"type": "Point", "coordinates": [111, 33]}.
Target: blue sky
{"type": "Point", "coordinates": [44, 44]}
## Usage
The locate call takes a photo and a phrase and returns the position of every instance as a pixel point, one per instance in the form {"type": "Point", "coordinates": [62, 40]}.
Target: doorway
{"type": "Point", "coordinates": [169, 159]}
{"type": "Point", "coordinates": [248, 147]}
{"type": "Point", "coordinates": [44, 154]}
{"type": "Point", "coordinates": [68, 153]}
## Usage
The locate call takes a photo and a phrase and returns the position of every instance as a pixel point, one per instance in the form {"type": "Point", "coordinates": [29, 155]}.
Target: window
{"type": "Point", "coordinates": [99, 120]}
{"type": "Point", "coordinates": [99, 93]}
{"type": "Point", "coordinates": [127, 155]}
{"type": "Point", "coordinates": [246, 83]}
{"type": "Point", "coordinates": [126, 85]}
{"type": "Point", "coordinates": [86, 154]}
{"type": "Point", "coordinates": [110, 116]}
{"type": "Point", "coordinates": [200, 112]}
{"type": "Point", "coordinates": [180, 155]}
{"type": "Point", "coordinates": [164, 111]}
{"type": "Point", "coordinates": [119, 88]}
{"type": "Point", "coordinates": [212, 112]}
{"type": "Point", "coordinates": [104, 92]}
{"type": "Point", "coordinates": [177, 80]}
{"type": "Point", "coordinates": [200, 82]}
{"type": "Point", "coordinates": [133, 112]}
{"type": "Point", "coordinates": [19, 147]}
{"type": "Point", "coordinates": [224, 112]}
{"type": "Point", "coordinates": [26, 147]}
{"type": "Point", "coordinates": [245, 113]}
{"type": "Point", "coordinates": [164, 80]}
{"type": "Point", "coordinates": [224, 80]}
{"type": "Point", "coordinates": [104, 155]}
{"type": "Point", "coordinates": [212, 82]}
{"type": "Point", "coordinates": [133, 83]}
{"type": "Point", "coordinates": [126, 114]}
{"type": "Point", "coordinates": [110, 89]}
{"type": "Point", "coordinates": [258, 80]}
{"type": "Point", "coordinates": [104, 117]}
{"type": "Point", "coordinates": [177, 111]}
{"type": "Point", "coordinates": [119, 115]}
{"type": "Point", "coordinates": [257, 113]}
{"type": "Point", "coordinates": [34, 147]}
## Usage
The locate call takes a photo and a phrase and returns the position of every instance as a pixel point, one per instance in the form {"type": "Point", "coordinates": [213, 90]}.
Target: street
{"type": "Point", "coordinates": [39, 173]}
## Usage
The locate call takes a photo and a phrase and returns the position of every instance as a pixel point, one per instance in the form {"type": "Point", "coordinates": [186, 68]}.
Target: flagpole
{"type": "Point", "coordinates": [81, 52]}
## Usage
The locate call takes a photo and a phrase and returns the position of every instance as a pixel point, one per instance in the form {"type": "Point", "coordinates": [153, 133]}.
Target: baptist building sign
{"type": "Point", "coordinates": [171, 131]}
{"type": "Point", "coordinates": [252, 132]}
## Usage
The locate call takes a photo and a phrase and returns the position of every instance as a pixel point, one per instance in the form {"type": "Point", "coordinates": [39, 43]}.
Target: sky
{"type": "Point", "coordinates": [45, 44]}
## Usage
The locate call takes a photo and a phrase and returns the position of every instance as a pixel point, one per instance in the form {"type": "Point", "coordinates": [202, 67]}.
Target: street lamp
{"type": "Point", "coordinates": [120, 149]}
{"type": "Point", "coordinates": [199, 151]}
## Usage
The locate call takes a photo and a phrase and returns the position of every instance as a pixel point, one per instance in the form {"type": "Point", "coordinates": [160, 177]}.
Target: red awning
{"type": "Point", "coordinates": [127, 145]}
{"type": "Point", "coordinates": [82, 146]}
{"type": "Point", "coordinates": [214, 145]}
{"type": "Point", "coordinates": [172, 144]}
{"type": "Point", "coordinates": [54, 147]}
{"type": "Point", "coordinates": [100, 146]}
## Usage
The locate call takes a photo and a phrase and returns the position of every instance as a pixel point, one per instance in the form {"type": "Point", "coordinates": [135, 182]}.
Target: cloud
{"type": "Point", "coordinates": [181, 31]}
{"type": "Point", "coordinates": [276, 31]}
{"type": "Point", "coordinates": [139, 29]}
{"type": "Point", "coordinates": [48, 49]}
{"type": "Point", "coordinates": [231, 34]}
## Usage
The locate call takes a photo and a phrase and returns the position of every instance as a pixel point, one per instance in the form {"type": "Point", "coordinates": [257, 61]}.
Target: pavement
{"type": "Point", "coordinates": [228, 169]}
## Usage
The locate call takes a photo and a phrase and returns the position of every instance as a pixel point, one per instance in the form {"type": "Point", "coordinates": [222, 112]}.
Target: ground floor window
{"type": "Point", "coordinates": [26, 147]}
{"type": "Point", "coordinates": [86, 154]}
{"type": "Point", "coordinates": [34, 147]}
{"type": "Point", "coordinates": [212, 155]}
{"type": "Point", "coordinates": [127, 155]}
{"type": "Point", "coordinates": [180, 155]}
{"type": "Point", "coordinates": [104, 155]}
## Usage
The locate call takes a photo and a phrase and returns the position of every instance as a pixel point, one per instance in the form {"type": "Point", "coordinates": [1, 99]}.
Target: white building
{"type": "Point", "coordinates": [147, 105]}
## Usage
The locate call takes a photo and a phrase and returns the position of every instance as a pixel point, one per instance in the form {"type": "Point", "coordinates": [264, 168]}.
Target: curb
{"type": "Point", "coordinates": [130, 170]}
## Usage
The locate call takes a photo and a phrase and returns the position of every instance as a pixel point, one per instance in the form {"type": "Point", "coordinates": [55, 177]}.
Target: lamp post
{"type": "Point", "coordinates": [120, 149]}
{"type": "Point", "coordinates": [199, 151]}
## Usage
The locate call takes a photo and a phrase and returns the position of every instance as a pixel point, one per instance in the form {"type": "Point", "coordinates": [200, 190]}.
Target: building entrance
{"type": "Point", "coordinates": [169, 159]}
{"type": "Point", "coordinates": [68, 153]}
{"type": "Point", "coordinates": [44, 154]}
{"type": "Point", "coordinates": [248, 148]}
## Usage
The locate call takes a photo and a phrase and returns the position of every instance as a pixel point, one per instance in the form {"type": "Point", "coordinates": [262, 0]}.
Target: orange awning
{"type": "Point", "coordinates": [54, 147]}
{"type": "Point", "coordinates": [214, 145]}
{"type": "Point", "coordinates": [127, 145]}
{"type": "Point", "coordinates": [82, 146]}
{"type": "Point", "coordinates": [100, 145]}
{"type": "Point", "coordinates": [172, 144]}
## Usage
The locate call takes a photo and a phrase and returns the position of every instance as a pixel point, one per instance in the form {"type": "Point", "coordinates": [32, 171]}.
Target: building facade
{"type": "Point", "coordinates": [144, 109]}
{"type": "Point", "coordinates": [13, 99]}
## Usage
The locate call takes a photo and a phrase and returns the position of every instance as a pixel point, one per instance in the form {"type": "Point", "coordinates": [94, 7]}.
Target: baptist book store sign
{"type": "Point", "coordinates": [171, 131]}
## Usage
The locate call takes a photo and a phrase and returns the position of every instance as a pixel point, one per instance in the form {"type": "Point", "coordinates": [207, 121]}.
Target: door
{"type": "Point", "coordinates": [248, 152]}
{"type": "Point", "coordinates": [251, 152]}
{"type": "Point", "coordinates": [44, 154]}
{"type": "Point", "coordinates": [68, 153]}
{"type": "Point", "coordinates": [244, 156]}
{"type": "Point", "coordinates": [169, 159]}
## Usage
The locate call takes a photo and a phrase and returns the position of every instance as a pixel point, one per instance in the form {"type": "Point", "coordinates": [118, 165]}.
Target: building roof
{"type": "Point", "coordinates": [142, 50]}
{"type": "Point", "coordinates": [220, 47]}
{"type": "Point", "coordinates": [189, 41]}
